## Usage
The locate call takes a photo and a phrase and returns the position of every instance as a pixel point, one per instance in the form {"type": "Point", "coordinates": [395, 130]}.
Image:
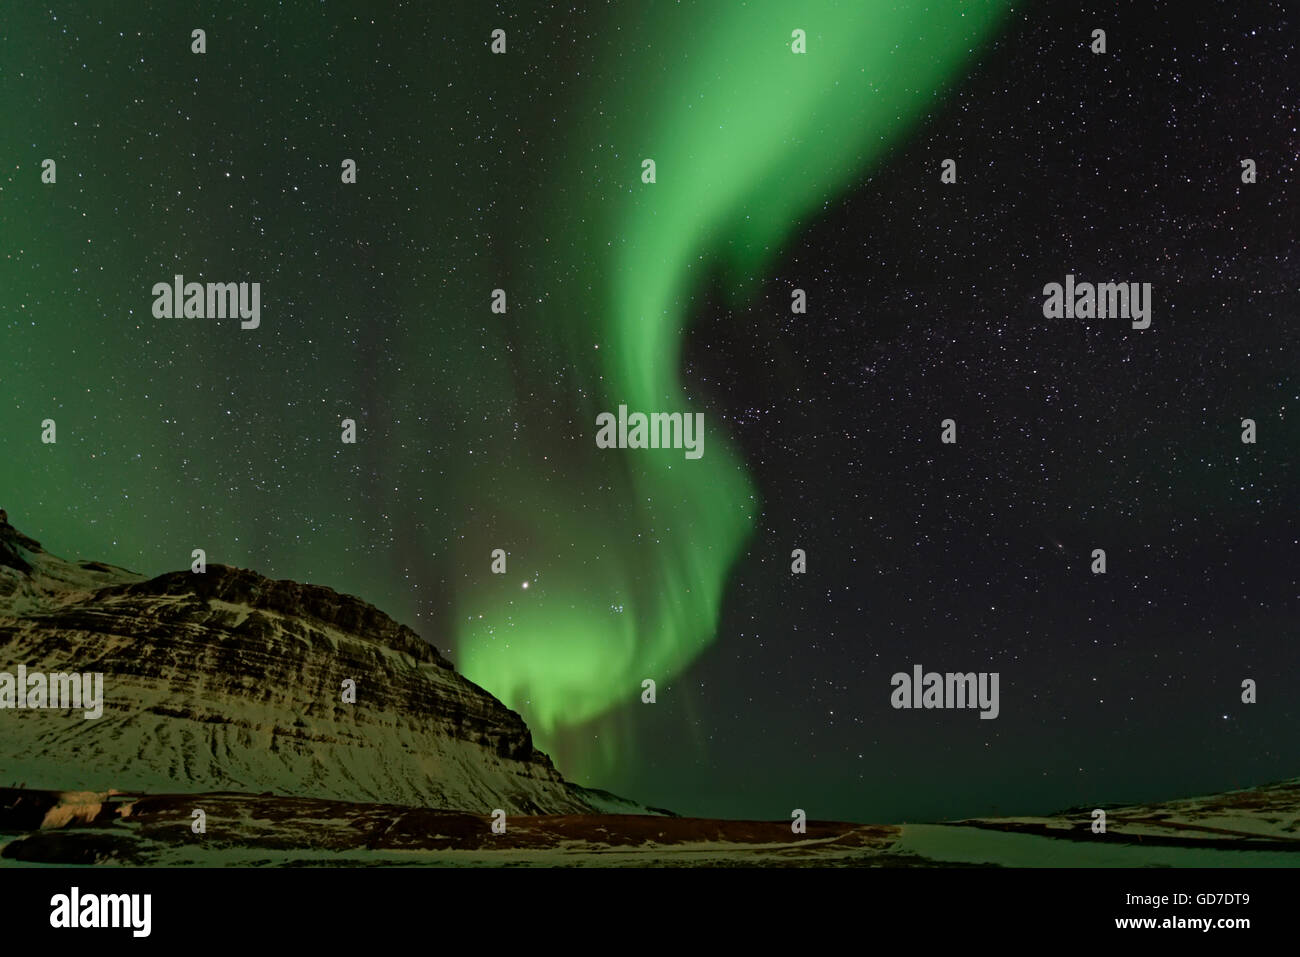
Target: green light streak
{"type": "Point", "coordinates": [749, 140]}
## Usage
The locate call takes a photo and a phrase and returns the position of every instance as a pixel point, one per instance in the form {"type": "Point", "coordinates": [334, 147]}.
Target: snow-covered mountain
{"type": "Point", "coordinates": [229, 681]}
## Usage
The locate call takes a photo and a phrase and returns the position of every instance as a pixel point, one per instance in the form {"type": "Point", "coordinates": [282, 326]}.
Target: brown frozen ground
{"type": "Point", "coordinates": [124, 828]}
{"type": "Point", "coordinates": [1256, 827]}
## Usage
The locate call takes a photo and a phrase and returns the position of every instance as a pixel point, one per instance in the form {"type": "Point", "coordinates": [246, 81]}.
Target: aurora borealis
{"type": "Point", "coordinates": [773, 171]}
{"type": "Point", "coordinates": [739, 132]}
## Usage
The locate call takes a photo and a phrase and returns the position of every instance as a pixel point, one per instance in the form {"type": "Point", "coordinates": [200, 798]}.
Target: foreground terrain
{"type": "Point", "coordinates": [1255, 827]}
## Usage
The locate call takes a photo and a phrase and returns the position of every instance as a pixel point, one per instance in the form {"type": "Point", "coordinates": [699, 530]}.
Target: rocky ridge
{"type": "Point", "coordinates": [228, 680]}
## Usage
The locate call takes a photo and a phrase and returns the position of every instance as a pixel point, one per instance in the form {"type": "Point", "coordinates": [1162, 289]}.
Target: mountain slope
{"type": "Point", "coordinates": [231, 681]}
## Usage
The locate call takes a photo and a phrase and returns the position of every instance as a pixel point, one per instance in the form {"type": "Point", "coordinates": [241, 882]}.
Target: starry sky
{"type": "Point", "coordinates": [775, 171]}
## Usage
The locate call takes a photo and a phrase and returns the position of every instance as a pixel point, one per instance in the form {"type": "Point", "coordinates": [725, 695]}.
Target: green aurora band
{"type": "Point", "coordinates": [749, 140]}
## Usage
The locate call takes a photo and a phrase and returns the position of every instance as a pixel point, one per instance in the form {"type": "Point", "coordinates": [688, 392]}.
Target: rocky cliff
{"type": "Point", "coordinates": [227, 680]}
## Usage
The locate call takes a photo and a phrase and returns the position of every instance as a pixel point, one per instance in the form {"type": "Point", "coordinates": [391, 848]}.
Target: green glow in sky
{"type": "Point", "coordinates": [749, 140]}
{"type": "Point", "coordinates": [475, 430]}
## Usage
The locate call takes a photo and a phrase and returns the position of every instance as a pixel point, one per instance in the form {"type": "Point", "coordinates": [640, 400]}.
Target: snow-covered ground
{"type": "Point", "coordinates": [972, 845]}
{"type": "Point", "coordinates": [267, 830]}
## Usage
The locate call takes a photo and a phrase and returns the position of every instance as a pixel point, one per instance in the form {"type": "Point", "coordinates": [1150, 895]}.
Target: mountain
{"type": "Point", "coordinates": [230, 681]}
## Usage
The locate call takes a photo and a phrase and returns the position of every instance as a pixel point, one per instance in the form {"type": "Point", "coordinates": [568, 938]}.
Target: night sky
{"type": "Point", "coordinates": [775, 171]}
